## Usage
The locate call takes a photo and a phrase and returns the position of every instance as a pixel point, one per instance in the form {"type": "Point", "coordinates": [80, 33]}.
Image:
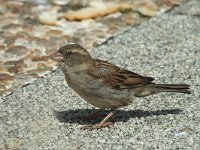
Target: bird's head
{"type": "Point", "coordinates": [72, 55]}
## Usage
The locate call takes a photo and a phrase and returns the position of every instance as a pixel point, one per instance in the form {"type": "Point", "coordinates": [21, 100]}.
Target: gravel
{"type": "Point", "coordinates": [43, 115]}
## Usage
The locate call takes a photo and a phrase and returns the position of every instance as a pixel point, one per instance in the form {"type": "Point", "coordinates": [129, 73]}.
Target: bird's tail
{"type": "Point", "coordinates": [157, 88]}
{"type": "Point", "coordinates": [180, 88]}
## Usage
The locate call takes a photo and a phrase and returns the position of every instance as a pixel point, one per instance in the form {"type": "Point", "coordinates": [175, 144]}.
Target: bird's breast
{"type": "Point", "coordinates": [96, 92]}
{"type": "Point", "coordinates": [78, 81]}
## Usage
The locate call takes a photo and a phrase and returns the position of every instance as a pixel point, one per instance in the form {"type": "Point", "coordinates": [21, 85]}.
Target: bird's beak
{"type": "Point", "coordinates": [56, 56]}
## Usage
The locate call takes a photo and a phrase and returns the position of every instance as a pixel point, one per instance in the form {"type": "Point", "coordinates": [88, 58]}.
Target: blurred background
{"type": "Point", "coordinates": [31, 30]}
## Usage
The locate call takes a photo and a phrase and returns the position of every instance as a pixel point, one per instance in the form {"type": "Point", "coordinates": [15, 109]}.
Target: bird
{"type": "Point", "coordinates": [105, 85]}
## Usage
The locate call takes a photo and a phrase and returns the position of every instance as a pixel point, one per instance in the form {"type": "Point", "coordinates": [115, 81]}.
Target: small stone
{"type": "Point", "coordinates": [6, 79]}
{"type": "Point", "coordinates": [15, 53]}
{"type": "Point", "coordinates": [54, 33]}
{"type": "Point", "coordinates": [48, 18]}
{"type": "Point", "coordinates": [186, 129]}
{"type": "Point", "coordinates": [3, 69]}
{"type": "Point", "coordinates": [60, 2]}
{"type": "Point", "coordinates": [145, 11]}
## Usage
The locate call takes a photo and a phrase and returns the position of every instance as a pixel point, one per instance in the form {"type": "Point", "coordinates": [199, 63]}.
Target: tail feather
{"type": "Point", "coordinates": [180, 88]}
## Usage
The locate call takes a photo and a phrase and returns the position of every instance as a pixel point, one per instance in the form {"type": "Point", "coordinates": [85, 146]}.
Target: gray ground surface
{"type": "Point", "coordinates": [43, 115]}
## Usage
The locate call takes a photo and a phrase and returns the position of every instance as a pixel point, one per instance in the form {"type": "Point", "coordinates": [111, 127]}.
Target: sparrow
{"type": "Point", "coordinates": [105, 85]}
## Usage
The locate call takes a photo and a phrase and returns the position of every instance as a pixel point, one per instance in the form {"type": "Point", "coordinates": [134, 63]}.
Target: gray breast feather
{"type": "Point", "coordinates": [100, 90]}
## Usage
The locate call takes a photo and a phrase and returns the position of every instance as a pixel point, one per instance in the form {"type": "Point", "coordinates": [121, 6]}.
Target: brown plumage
{"type": "Point", "coordinates": [116, 77]}
{"type": "Point", "coordinates": [105, 85]}
{"type": "Point", "coordinates": [120, 78]}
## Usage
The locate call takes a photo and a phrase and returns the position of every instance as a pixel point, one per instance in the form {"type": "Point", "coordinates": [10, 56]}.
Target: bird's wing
{"type": "Point", "coordinates": [117, 77]}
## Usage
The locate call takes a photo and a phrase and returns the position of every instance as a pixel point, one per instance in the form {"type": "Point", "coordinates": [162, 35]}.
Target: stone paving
{"type": "Point", "coordinates": [43, 115]}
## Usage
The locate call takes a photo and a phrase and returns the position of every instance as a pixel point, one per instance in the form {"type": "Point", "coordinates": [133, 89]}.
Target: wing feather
{"type": "Point", "coordinates": [117, 77]}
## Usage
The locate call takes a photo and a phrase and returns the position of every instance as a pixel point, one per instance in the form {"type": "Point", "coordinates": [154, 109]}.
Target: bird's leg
{"type": "Point", "coordinates": [90, 116]}
{"type": "Point", "coordinates": [102, 124]}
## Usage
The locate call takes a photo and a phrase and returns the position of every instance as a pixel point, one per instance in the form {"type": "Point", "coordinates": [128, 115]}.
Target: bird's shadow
{"type": "Point", "coordinates": [71, 116]}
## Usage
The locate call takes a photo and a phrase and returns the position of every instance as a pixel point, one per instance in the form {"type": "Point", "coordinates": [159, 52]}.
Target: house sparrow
{"type": "Point", "coordinates": [105, 85]}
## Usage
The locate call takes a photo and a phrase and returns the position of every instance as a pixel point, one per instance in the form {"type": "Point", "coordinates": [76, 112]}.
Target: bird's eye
{"type": "Point", "coordinates": [69, 53]}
